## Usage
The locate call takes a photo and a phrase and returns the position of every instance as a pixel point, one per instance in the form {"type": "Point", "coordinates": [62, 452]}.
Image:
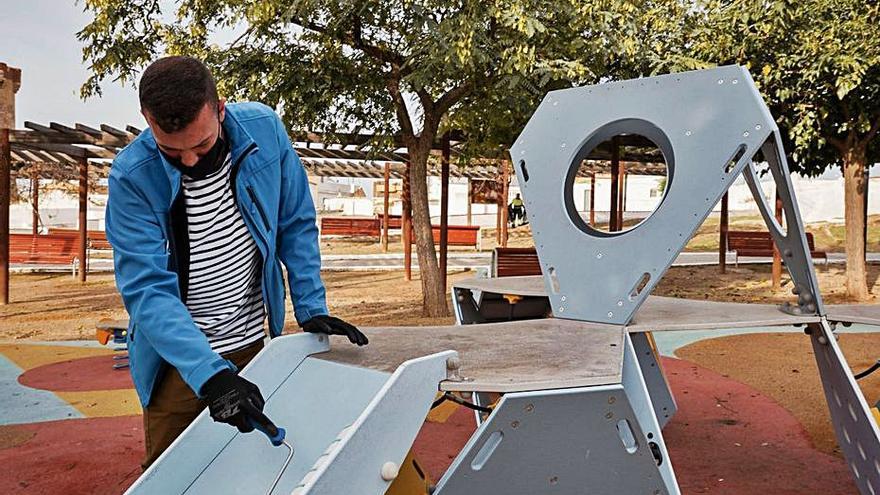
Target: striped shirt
{"type": "Point", "coordinates": [224, 294]}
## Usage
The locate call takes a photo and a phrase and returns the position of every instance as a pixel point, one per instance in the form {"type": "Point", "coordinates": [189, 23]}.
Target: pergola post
{"type": "Point", "coordinates": [621, 195]}
{"type": "Point", "coordinates": [470, 200]}
{"type": "Point", "coordinates": [83, 220]}
{"type": "Point", "coordinates": [777, 259]}
{"type": "Point", "coordinates": [592, 197]}
{"type": "Point", "coordinates": [35, 199]}
{"type": "Point", "coordinates": [5, 159]}
{"type": "Point", "coordinates": [499, 203]}
{"type": "Point", "coordinates": [615, 187]}
{"type": "Point", "coordinates": [406, 226]}
{"type": "Point", "coordinates": [722, 236]}
{"type": "Point", "coordinates": [444, 206]}
{"type": "Point", "coordinates": [505, 178]}
{"type": "Point", "coordinates": [385, 219]}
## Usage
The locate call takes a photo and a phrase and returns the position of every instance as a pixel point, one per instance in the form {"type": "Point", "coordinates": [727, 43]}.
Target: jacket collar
{"type": "Point", "coordinates": [239, 138]}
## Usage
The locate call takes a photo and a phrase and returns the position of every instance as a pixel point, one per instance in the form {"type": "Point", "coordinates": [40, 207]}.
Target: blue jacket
{"type": "Point", "coordinates": [272, 192]}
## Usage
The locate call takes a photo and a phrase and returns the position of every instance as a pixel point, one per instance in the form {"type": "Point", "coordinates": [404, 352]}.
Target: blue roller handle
{"type": "Point", "coordinates": [273, 433]}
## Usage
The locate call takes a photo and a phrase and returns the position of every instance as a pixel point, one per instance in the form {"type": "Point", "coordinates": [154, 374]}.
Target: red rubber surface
{"type": "Point", "coordinates": [78, 375]}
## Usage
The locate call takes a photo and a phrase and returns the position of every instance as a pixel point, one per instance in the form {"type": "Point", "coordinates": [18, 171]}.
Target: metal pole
{"type": "Point", "coordinates": [505, 178]}
{"type": "Point", "coordinates": [83, 223]}
{"type": "Point", "coordinates": [615, 187]}
{"type": "Point", "coordinates": [470, 200]}
{"type": "Point", "coordinates": [777, 259]}
{"type": "Point", "coordinates": [622, 196]}
{"type": "Point", "coordinates": [406, 225]}
{"type": "Point", "coordinates": [385, 219]}
{"type": "Point", "coordinates": [35, 199]}
{"type": "Point", "coordinates": [722, 237]}
{"type": "Point", "coordinates": [444, 207]}
{"type": "Point", "coordinates": [5, 159]}
{"type": "Point", "coordinates": [593, 198]}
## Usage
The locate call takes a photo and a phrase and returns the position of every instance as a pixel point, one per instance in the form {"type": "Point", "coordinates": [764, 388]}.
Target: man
{"type": "Point", "coordinates": [203, 209]}
{"type": "Point", "coordinates": [517, 211]}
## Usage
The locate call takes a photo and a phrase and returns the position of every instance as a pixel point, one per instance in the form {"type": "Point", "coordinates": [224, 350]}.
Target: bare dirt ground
{"type": "Point", "coordinates": [57, 307]}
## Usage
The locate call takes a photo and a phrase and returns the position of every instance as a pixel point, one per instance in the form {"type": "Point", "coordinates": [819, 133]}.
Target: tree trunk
{"type": "Point", "coordinates": [855, 183]}
{"type": "Point", "coordinates": [433, 291]}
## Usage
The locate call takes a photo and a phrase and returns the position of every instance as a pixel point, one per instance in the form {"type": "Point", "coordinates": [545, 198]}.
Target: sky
{"type": "Point", "coordinates": [39, 37]}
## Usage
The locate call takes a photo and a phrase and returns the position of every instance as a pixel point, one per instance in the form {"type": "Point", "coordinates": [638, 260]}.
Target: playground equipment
{"type": "Point", "coordinates": [582, 397]}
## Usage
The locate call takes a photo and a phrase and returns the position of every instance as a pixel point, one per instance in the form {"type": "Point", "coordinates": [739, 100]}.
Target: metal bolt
{"type": "Point", "coordinates": [612, 399]}
{"type": "Point", "coordinates": [811, 308]}
{"type": "Point", "coordinates": [562, 298]}
{"type": "Point", "coordinates": [746, 134]}
{"type": "Point", "coordinates": [758, 127]}
{"type": "Point", "coordinates": [554, 480]}
{"type": "Point", "coordinates": [563, 145]}
{"type": "Point", "coordinates": [735, 81]}
{"type": "Point", "coordinates": [822, 340]}
{"type": "Point", "coordinates": [453, 363]}
{"type": "Point", "coordinates": [687, 133]}
{"type": "Point", "coordinates": [562, 309]}
{"type": "Point", "coordinates": [721, 81]}
{"type": "Point", "coordinates": [609, 415]}
{"type": "Point", "coordinates": [610, 314]}
{"type": "Point", "coordinates": [514, 424]}
{"type": "Point", "coordinates": [787, 253]}
{"type": "Point", "coordinates": [555, 103]}
{"type": "Point", "coordinates": [808, 297]}
{"type": "Point", "coordinates": [598, 256]}
{"type": "Point", "coordinates": [389, 471]}
{"type": "Point", "coordinates": [620, 303]}
{"type": "Point", "coordinates": [529, 407]}
{"type": "Point", "coordinates": [460, 298]}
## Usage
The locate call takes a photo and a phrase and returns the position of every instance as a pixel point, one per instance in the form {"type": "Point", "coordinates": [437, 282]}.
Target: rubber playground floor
{"type": "Point", "coordinates": [751, 418]}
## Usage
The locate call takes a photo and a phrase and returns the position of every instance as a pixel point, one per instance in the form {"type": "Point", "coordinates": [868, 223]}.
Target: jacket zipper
{"type": "Point", "coordinates": [262, 213]}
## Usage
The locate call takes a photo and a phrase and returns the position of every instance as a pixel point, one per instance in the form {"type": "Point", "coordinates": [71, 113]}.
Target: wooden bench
{"type": "Point", "coordinates": [97, 239]}
{"type": "Point", "coordinates": [515, 262]}
{"type": "Point", "coordinates": [457, 235]}
{"type": "Point", "coordinates": [760, 243]}
{"type": "Point", "coordinates": [52, 249]}
{"type": "Point", "coordinates": [394, 221]}
{"type": "Point", "coordinates": [350, 226]}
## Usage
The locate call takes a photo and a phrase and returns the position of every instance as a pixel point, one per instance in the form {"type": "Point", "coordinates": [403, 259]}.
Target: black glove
{"type": "Point", "coordinates": [332, 325]}
{"type": "Point", "coordinates": [233, 400]}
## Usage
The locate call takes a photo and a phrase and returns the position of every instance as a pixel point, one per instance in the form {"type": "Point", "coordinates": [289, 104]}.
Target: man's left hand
{"type": "Point", "coordinates": [332, 325]}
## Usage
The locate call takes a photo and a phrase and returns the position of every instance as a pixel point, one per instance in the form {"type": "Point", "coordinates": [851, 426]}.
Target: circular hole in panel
{"type": "Point", "coordinates": [637, 185]}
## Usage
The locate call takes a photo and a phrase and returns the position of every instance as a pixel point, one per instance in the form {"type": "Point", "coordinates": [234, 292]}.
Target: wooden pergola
{"type": "Point", "coordinates": [78, 149]}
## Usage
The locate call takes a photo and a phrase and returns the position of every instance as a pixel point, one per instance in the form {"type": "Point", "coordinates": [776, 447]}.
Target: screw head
{"type": "Point", "coordinates": [612, 399]}
{"type": "Point", "coordinates": [620, 303]}
{"type": "Point", "coordinates": [687, 133]}
{"type": "Point", "coordinates": [609, 415]}
{"type": "Point", "coordinates": [610, 314]}
{"type": "Point", "coordinates": [514, 424]}
{"type": "Point", "coordinates": [746, 134]}
{"type": "Point", "coordinates": [529, 407]}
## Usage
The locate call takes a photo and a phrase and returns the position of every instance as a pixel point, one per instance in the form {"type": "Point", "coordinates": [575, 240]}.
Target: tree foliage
{"type": "Point", "coordinates": [413, 68]}
{"type": "Point", "coordinates": [817, 63]}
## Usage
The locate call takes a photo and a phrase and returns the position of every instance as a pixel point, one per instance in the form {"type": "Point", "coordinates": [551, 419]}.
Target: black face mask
{"type": "Point", "coordinates": [209, 163]}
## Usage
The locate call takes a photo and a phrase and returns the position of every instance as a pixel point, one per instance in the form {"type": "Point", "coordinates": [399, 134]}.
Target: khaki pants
{"type": "Point", "coordinates": [174, 406]}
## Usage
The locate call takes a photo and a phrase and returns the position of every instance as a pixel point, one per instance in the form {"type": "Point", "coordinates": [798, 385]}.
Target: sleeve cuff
{"type": "Point", "coordinates": [305, 314]}
{"type": "Point", "coordinates": [202, 373]}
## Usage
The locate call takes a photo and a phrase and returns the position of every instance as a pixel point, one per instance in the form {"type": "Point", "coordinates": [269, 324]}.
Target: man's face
{"type": "Point", "coordinates": [195, 140]}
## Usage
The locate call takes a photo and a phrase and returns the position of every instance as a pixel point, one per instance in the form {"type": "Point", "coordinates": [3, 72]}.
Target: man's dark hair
{"type": "Point", "coordinates": [175, 89]}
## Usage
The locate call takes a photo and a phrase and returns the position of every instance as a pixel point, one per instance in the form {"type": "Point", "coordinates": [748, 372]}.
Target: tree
{"type": "Point", "coordinates": [413, 69]}
{"type": "Point", "coordinates": [817, 62]}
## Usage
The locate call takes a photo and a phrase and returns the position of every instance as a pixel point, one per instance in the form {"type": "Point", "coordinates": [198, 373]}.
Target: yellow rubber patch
{"type": "Point", "coordinates": [29, 356]}
{"type": "Point", "coordinates": [442, 412]}
{"type": "Point", "coordinates": [103, 403]}
{"type": "Point", "coordinates": [876, 415]}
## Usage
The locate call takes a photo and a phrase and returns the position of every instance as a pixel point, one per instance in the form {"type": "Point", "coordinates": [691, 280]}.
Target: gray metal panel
{"type": "Point", "coordinates": [194, 450]}
{"type": "Point", "coordinates": [561, 442]}
{"type": "Point", "coordinates": [643, 407]}
{"type": "Point", "coordinates": [383, 433]}
{"type": "Point", "coordinates": [791, 241]}
{"type": "Point", "coordinates": [857, 432]}
{"type": "Point", "coordinates": [652, 372]}
{"type": "Point", "coordinates": [314, 404]}
{"type": "Point", "coordinates": [869, 314]}
{"type": "Point", "coordinates": [700, 120]}
{"type": "Point", "coordinates": [501, 357]}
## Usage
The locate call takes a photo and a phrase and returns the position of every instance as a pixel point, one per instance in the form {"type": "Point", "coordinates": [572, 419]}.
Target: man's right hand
{"type": "Point", "coordinates": [233, 400]}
